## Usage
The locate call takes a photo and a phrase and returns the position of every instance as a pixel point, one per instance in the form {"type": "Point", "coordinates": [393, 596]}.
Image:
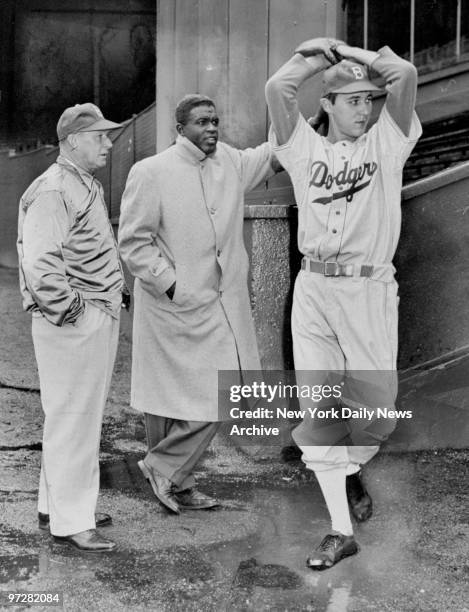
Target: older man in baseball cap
{"type": "Point", "coordinates": [72, 283]}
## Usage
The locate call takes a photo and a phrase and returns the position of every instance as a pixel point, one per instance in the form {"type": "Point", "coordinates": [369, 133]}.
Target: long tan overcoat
{"type": "Point", "coordinates": [182, 220]}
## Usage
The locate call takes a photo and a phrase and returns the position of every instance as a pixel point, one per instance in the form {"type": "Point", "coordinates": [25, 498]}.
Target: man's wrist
{"type": "Point", "coordinates": [363, 56]}
{"type": "Point", "coordinates": [315, 63]}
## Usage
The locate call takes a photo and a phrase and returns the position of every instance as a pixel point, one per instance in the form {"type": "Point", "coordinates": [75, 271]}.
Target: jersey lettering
{"type": "Point", "coordinates": [348, 176]}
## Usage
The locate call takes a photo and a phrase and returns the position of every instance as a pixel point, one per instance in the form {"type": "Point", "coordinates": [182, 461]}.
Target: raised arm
{"type": "Point", "coordinates": [257, 164]}
{"type": "Point", "coordinates": [310, 57]}
{"type": "Point", "coordinates": [400, 76]}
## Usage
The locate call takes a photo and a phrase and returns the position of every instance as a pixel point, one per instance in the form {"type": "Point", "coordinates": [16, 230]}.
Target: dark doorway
{"type": "Point", "coordinates": [64, 52]}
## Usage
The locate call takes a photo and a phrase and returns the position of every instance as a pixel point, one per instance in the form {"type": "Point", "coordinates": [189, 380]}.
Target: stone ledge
{"type": "Point", "coordinates": [436, 181]}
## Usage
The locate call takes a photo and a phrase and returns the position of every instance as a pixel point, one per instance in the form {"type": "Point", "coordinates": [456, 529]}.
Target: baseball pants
{"type": "Point", "coordinates": [345, 325]}
{"type": "Point", "coordinates": [75, 364]}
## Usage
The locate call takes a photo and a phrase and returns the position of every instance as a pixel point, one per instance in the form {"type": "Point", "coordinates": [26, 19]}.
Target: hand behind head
{"type": "Point", "coordinates": [320, 46]}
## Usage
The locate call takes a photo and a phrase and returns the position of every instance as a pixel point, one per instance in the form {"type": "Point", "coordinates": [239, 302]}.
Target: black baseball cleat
{"type": "Point", "coordinates": [332, 549]}
{"type": "Point", "coordinates": [358, 497]}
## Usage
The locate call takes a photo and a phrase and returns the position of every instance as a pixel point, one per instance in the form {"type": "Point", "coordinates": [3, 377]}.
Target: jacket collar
{"type": "Point", "coordinates": [83, 175]}
{"type": "Point", "coordinates": [190, 151]}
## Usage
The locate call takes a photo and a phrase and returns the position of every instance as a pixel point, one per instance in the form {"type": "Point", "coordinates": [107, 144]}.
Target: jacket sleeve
{"type": "Point", "coordinates": [138, 228]}
{"type": "Point", "coordinates": [45, 228]}
{"type": "Point", "coordinates": [256, 165]}
{"type": "Point", "coordinates": [401, 86]}
{"type": "Point", "coordinates": [281, 93]}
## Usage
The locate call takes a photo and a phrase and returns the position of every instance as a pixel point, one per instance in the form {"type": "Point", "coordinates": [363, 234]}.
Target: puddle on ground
{"type": "Point", "coordinates": [18, 567]}
{"type": "Point", "coordinates": [15, 563]}
{"type": "Point", "coordinates": [264, 571]}
{"type": "Point", "coordinates": [124, 476]}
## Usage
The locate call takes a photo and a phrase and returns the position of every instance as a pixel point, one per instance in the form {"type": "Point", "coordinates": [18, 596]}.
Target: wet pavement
{"type": "Point", "coordinates": [249, 554]}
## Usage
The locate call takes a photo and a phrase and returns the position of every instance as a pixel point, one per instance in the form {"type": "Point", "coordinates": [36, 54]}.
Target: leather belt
{"type": "Point", "coordinates": [332, 268]}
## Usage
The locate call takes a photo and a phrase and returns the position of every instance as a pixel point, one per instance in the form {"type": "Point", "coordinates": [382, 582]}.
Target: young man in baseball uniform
{"type": "Point", "coordinates": [347, 186]}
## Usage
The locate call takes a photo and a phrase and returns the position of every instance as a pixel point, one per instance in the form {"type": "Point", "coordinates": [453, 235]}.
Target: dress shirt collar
{"type": "Point", "coordinates": [85, 176]}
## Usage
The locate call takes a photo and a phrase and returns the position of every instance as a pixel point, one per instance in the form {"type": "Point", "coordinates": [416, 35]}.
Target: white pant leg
{"type": "Point", "coordinates": [75, 365]}
{"type": "Point", "coordinates": [367, 327]}
{"type": "Point", "coordinates": [343, 324]}
{"type": "Point", "coordinates": [316, 353]}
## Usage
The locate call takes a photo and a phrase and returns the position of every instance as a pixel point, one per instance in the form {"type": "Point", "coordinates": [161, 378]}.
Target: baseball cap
{"type": "Point", "coordinates": [347, 77]}
{"type": "Point", "coordinates": [83, 118]}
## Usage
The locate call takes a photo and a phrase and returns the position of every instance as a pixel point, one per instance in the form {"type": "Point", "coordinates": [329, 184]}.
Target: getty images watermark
{"type": "Point", "coordinates": [264, 404]}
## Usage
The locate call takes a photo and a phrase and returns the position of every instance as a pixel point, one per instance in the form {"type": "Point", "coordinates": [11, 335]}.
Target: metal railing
{"type": "Point", "coordinates": [431, 58]}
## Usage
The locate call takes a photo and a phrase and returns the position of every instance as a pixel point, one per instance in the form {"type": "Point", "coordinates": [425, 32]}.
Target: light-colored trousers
{"type": "Point", "coordinates": [75, 364]}
{"type": "Point", "coordinates": [342, 324]}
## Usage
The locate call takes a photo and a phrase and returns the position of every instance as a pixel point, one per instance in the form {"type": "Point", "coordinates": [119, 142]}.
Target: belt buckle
{"type": "Point", "coordinates": [331, 268]}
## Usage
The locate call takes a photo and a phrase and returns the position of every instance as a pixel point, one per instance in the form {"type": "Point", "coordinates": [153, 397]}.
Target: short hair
{"type": "Point", "coordinates": [189, 102]}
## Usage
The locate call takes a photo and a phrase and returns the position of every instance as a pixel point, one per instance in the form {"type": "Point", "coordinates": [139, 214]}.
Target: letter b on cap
{"type": "Point", "coordinates": [357, 72]}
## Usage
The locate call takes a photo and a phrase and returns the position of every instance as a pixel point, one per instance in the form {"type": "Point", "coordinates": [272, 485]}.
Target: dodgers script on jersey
{"type": "Point", "coordinates": [348, 193]}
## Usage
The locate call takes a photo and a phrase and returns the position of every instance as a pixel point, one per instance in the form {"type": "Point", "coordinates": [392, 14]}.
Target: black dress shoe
{"type": "Point", "coordinates": [359, 500]}
{"type": "Point", "coordinates": [192, 499]}
{"type": "Point", "coordinates": [101, 519]}
{"type": "Point", "coordinates": [332, 549]}
{"type": "Point", "coordinates": [88, 541]}
{"type": "Point", "coordinates": [162, 487]}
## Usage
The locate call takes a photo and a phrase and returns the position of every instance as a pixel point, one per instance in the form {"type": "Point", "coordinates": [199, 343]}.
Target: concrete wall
{"type": "Point", "coordinates": [270, 236]}
{"type": "Point", "coordinates": [227, 50]}
{"type": "Point", "coordinates": [433, 267]}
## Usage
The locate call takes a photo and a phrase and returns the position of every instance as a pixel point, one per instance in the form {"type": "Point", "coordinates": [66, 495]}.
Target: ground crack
{"type": "Point", "coordinates": [5, 385]}
{"type": "Point", "coordinates": [34, 446]}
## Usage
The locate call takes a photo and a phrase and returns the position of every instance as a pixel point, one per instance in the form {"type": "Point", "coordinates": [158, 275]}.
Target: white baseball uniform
{"type": "Point", "coordinates": [349, 213]}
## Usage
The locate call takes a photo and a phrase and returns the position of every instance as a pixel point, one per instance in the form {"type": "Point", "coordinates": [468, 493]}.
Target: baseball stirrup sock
{"type": "Point", "coordinates": [332, 483]}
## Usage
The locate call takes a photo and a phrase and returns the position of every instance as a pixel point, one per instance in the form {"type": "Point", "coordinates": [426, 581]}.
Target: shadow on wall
{"type": "Point", "coordinates": [16, 173]}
